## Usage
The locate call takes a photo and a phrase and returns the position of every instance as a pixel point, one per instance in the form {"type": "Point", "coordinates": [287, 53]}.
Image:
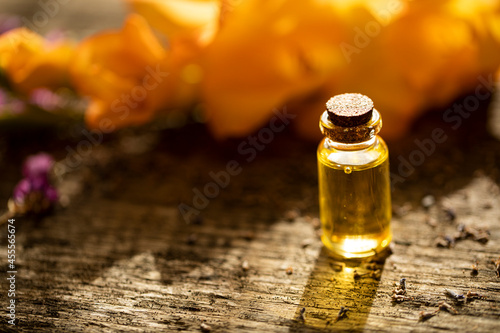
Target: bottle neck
{"type": "Point", "coordinates": [355, 135]}
{"type": "Point", "coordinates": [352, 146]}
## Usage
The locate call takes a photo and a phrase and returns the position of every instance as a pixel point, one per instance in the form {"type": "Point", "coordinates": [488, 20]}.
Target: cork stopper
{"type": "Point", "coordinates": [350, 118]}
{"type": "Point", "coordinates": [349, 110]}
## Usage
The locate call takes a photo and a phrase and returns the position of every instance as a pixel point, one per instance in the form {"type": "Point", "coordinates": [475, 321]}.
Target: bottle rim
{"type": "Point", "coordinates": [354, 134]}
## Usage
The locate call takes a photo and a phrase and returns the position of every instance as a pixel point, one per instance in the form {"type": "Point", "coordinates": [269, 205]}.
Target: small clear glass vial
{"type": "Point", "coordinates": [354, 183]}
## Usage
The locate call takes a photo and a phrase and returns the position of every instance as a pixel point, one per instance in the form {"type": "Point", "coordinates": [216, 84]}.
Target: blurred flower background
{"type": "Point", "coordinates": [232, 62]}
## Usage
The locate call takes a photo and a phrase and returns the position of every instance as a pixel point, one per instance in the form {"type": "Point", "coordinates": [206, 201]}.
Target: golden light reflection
{"type": "Point", "coordinates": [356, 245]}
{"type": "Point", "coordinates": [328, 289]}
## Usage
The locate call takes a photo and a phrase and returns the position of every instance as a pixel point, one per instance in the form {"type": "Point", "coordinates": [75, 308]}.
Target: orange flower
{"type": "Point", "coordinates": [428, 54]}
{"type": "Point", "coordinates": [195, 19]}
{"type": "Point", "coordinates": [245, 58]}
{"type": "Point", "coordinates": [266, 53]}
{"type": "Point", "coordinates": [188, 25]}
{"type": "Point", "coordinates": [434, 50]}
{"type": "Point", "coordinates": [124, 73]}
{"type": "Point", "coordinates": [31, 62]}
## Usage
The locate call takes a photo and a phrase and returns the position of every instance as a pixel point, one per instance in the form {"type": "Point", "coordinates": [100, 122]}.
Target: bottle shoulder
{"type": "Point", "coordinates": [364, 158]}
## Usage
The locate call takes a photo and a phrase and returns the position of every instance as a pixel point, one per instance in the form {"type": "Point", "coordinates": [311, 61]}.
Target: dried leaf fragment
{"type": "Point", "coordinates": [424, 315]}
{"type": "Point", "coordinates": [445, 306]}
{"type": "Point", "coordinates": [401, 298]}
{"type": "Point", "coordinates": [474, 295]}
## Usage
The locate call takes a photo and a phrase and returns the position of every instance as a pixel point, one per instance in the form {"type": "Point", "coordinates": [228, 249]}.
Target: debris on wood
{"type": "Point", "coordinates": [245, 266]}
{"type": "Point", "coordinates": [428, 201]}
{"type": "Point", "coordinates": [481, 235]}
{"type": "Point", "coordinates": [447, 307]}
{"type": "Point", "coordinates": [475, 269]}
{"type": "Point", "coordinates": [474, 295]}
{"type": "Point", "coordinates": [400, 287]}
{"type": "Point", "coordinates": [292, 214]}
{"type": "Point", "coordinates": [450, 214]}
{"type": "Point", "coordinates": [497, 266]}
{"type": "Point", "coordinates": [305, 243]}
{"type": "Point", "coordinates": [399, 293]}
{"type": "Point", "coordinates": [401, 298]}
{"type": "Point", "coordinates": [424, 315]}
{"type": "Point", "coordinates": [376, 274]}
{"type": "Point", "coordinates": [342, 313]}
{"type": "Point", "coordinates": [445, 241]}
{"type": "Point", "coordinates": [402, 284]}
{"type": "Point", "coordinates": [372, 266]}
{"type": "Point", "coordinates": [358, 276]}
{"type": "Point", "coordinates": [380, 257]}
{"type": "Point", "coordinates": [337, 266]}
{"type": "Point", "coordinates": [302, 314]}
{"type": "Point", "coordinates": [455, 295]}
{"type": "Point", "coordinates": [403, 210]}
{"type": "Point", "coordinates": [205, 327]}
{"type": "Point", "coordinates": [402, 242]}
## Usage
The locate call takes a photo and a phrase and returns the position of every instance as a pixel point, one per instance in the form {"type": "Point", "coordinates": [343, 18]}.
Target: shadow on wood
{"type": "Point", "coordinates": [328, 289]}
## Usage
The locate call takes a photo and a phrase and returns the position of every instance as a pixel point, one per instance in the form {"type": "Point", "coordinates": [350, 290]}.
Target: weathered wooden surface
{"type": "Point", "coordinates": [120, 257]}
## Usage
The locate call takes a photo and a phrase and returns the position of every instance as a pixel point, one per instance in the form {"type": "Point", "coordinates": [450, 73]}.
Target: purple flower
{"type": "Point", "coordinates": [21, 190]}
{"type": "Point", "coordinates": [38, 165]}
{"type": "Point", "coordinates": [27, 186]}
{"type": "Point", "coordinates": [34, 193]}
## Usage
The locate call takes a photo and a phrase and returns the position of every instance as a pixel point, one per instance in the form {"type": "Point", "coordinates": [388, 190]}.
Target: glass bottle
{"type": "Point", "coordinates": [354, 184]}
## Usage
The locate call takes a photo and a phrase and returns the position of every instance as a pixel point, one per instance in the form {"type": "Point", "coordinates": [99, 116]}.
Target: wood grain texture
{"type": "Point", "coordinates": [119, 257]}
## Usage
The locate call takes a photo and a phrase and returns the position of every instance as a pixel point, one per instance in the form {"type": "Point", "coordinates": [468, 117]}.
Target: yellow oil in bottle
{"type": "Point", "coordinates": [354, 184]}
{"type": "Point", "coordinates": [355, 204]}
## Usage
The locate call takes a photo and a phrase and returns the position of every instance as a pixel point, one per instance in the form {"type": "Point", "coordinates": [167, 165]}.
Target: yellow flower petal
{"type": "Point", "coordinates": [427, 55]}
{"type": "Point", "coordinates": [124, 73]}
{"type": "Point", "coordinates": [180, 17]}
{"type": "Point", "coordinates": [31, 62]}
{"type": "Point", "coordinates": [266, 53]}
